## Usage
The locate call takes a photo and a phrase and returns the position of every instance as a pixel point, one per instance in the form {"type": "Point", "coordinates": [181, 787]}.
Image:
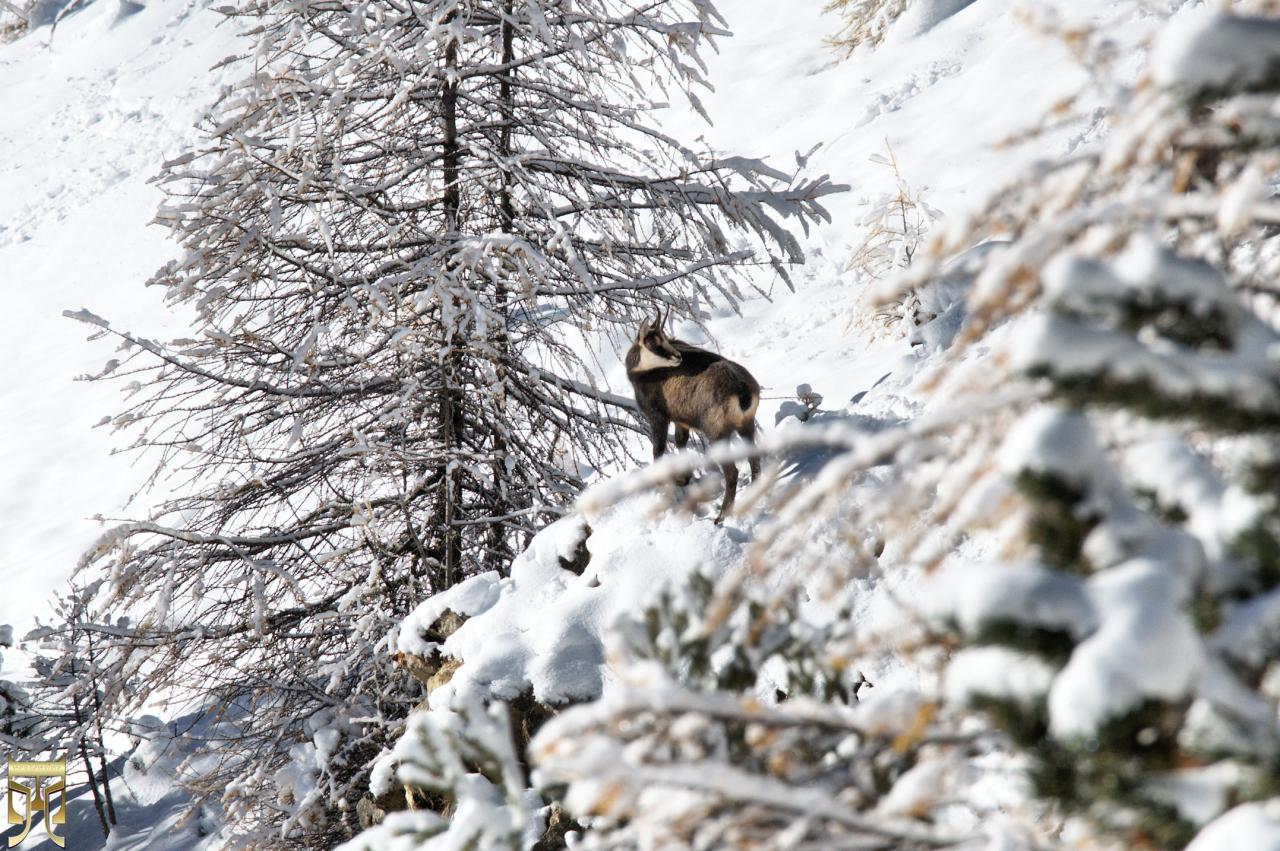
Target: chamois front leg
{"type": "Point", "coordinates": [682, 440]}
{"type": "Point", "coordinates": [658, 435]}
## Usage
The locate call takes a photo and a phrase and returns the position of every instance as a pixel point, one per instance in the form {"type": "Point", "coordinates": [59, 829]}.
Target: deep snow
{"type": "Point", "coordinates": [85, 121]}
{"type": "Point", "coordinates": [87, 117]}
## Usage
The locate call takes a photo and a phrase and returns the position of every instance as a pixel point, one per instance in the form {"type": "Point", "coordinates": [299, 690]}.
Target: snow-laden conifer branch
{"type": "Point", "coordinates": [1106, 539]}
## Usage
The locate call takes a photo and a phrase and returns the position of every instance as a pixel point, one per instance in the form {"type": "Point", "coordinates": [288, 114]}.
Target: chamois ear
{"type": "Point", "coordinates": [644, 329]}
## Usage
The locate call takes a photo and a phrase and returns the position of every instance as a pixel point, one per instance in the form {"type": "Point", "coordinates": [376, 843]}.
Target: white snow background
{"type": "Point", "coordinates": [87, 116]}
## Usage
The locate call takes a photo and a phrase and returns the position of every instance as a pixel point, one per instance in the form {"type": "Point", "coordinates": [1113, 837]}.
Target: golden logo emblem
{"type": "Point", "coordinates": [38, 796]}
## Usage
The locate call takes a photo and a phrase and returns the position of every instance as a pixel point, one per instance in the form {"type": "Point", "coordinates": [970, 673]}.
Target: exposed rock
{"type": "Point", "coordinates": [558, 824]}
{"type": "Point", "coordinates": [420, 668]}
{"type": "Point", "coordinates": [368, 813]}
{"type": "Point", "coordinates": [428, 669]}
{"type": "Point", "coordinates": [527, 717]}
{"type": "Point", "coordinates": [445, 673]}
{"type": "Point", "coordinates": [581, 555]}
{"type": "Point", "coordinates": [371, 811]}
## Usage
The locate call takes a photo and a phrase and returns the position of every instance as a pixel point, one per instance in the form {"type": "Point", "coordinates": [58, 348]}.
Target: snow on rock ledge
{"type": "Point", "coordinates": [924, 15]}
{"type": "Point", "coordinates": [471, 597]}
{"type": "Point", "coordinates": [542, 628]}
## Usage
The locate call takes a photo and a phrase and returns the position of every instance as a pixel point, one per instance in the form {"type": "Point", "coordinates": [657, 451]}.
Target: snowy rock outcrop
{"type": "Point", "coordinates": [543, 628]}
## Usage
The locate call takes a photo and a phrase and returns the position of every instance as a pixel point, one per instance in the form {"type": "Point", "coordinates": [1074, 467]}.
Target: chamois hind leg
{"type": "Point", "coordinates": [717, 433]}
{"type": "Point", "coordinates": [730, 490]}
{"type": "Point", "coordinates": [748, 433]}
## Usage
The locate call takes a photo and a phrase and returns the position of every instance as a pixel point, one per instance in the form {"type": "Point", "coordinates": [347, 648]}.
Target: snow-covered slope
{"type": "Point", "coordinates": [86, 118]}
{"type": "Point", "coordinates": [949, 102]}
{"type": "Point", "coordinates": [90, 113]}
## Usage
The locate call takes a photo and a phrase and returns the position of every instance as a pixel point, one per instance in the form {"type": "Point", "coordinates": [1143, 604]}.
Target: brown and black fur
{"type": "Point", "coordinates": [693, 388]}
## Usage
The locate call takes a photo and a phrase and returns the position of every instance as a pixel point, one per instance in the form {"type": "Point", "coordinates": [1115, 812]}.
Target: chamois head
{"type": "Point", "coordinates": [656, 350]}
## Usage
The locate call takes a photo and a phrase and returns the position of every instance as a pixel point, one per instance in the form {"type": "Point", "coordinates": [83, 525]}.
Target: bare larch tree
{"type": "Point", "coordinates": [408, 222]}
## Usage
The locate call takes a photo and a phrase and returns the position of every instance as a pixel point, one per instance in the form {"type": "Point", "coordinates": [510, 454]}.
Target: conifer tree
{"type": "Point", "coordinates": [17, 716]}
{"type": "Point", "coordinates": [1142, 619]}
{"type": "Point", "coordinates": [1080, 534]}
{"type": "Point", "coordinates": [65, 718]}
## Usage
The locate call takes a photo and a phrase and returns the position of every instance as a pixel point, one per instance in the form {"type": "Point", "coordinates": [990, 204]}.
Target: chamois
{"type": "Point", "coordinates": [676, 382]}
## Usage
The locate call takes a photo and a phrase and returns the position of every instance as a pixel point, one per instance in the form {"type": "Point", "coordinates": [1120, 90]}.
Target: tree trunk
{"type": "Point", "coordinates": [497, 552]}
{"type": "Point", "coordinates": [88, 770]}
{"type": "Point", "coordinates": [97, 720]}
{"type": "Point", "coordinates": [451, 395]}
